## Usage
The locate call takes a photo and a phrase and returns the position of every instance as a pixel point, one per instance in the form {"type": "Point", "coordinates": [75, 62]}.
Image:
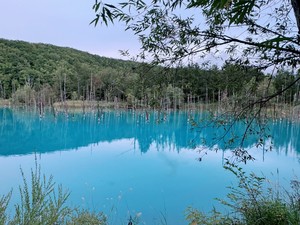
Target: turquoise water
{"type": "Point", "coordinates": [128, 163]}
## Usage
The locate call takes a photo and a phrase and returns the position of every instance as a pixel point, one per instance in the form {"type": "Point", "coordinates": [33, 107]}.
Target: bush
{"type": "Point", "coordinates": [252, 204]}
{"type": "Point", "coordinates": [25, 95]}
{"type": "Point", "coordinates": [87, 218]}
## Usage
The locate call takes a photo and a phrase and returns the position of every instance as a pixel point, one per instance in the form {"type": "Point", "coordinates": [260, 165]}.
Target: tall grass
{"type": "Point", "coordinates": [42, 202]}
{"type": "Point", "coordinates": [84, 217]}
{"type": "Point", "coordinates": [3, 207]}
{"type": "Point", "coordinates": [252, 203]}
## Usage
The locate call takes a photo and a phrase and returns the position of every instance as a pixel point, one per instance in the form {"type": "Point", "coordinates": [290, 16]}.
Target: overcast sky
{"type": "Point", "coordinates": [63, 23]}
{"type": "Point", "coordinates": [67, 23]}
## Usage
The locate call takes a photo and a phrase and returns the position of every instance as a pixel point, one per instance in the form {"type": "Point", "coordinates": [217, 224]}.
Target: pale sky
{"type": "Point", "coordinates": [63, 23]}
{"type": "Point", "coordinates": [66, 23]}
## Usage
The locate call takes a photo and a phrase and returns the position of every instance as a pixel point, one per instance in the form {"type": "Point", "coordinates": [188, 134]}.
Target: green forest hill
{"type": "Point", "coordinates": [42, 74]}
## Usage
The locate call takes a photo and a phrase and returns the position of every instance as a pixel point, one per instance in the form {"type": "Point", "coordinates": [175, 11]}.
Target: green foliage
{"type": "Point", "coordinates": [171, 31]}
{"type": "Point", "coordinates": [4, 200]}
{"type": "Point", "coordinates": [268, 213]}
{"type": "Point", "coordinates": [64, 70]}
{"type": "Point", "coordinates": [39, 75]}
{"type": "Point", "coordinates": [83, 217]}
{"type": "Point", "coordinates": [41, 203]}
{"type": "Point", "coordinates": [25, 95]}
{"type": "Point", "coordinates": [252, 35]}
{"type": "Point", "coordinates": [196, 217]}
{"type": "Point", "coordinates": [282, 80]}
{"type": "Point", "coordinates": [252, 203]}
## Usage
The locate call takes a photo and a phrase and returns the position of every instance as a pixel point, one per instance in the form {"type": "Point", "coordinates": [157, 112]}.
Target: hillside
{"type": "Point", "coordinates": [41, 74]}
{"type": "Point", "coordinates": [36, 56]}
{"type": "Point", "coordinates": [44, 65]}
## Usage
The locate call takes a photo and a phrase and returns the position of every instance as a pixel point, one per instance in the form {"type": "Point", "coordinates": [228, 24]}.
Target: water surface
{"type": "Point", "coordinates": [128, 163]}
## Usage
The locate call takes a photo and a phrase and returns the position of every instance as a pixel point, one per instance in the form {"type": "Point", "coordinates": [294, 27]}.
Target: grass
{"type": "Point", "coordinates": [251, 203]}
{"type": "Point", "coordinates": [42, 202]}
{"type": "Point", "coordinates": [84, 217]}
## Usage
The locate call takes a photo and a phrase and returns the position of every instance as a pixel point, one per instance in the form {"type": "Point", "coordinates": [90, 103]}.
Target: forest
{"type": "Point", "coordinates": [43, 74]}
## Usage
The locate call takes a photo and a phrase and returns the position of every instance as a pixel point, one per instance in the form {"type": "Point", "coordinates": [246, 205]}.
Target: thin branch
{"type": "Point", "coordinates": [257, 44]}
{"type": "Point", "coordinates": [273, 32]}
{"type": "Point", "coordinates": [265, 100]}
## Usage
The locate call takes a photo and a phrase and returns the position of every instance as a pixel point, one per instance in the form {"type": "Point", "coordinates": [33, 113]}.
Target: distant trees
{"type": "Point", "coordinates": [281, 81]}
{"type": "Point", "coordinates": [255, 34]}
{"type": "Point", "coordinates": [66, 73]}
{"type": "Point", "coordinates": [36, 74]}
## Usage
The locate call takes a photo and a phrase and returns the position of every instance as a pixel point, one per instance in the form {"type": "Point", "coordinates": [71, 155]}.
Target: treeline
{"type": "Point", "coordinates": [41, 74]}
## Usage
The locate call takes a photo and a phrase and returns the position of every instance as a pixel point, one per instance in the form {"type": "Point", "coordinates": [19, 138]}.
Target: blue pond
{"type": "Point", "coordinates": [127, 163]}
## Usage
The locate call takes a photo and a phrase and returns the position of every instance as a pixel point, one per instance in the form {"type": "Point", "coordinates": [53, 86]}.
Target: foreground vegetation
{"type": "Point", "coordinates": [252, 202]}
{"type": "Point", "coordinates": [42, 202]}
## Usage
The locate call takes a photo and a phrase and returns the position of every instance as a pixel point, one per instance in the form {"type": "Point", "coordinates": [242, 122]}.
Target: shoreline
{"type": "Point", "coordinates": [274, 110]}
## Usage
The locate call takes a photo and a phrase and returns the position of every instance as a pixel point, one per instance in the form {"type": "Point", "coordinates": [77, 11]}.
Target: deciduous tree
{"type": "Point", "coordinates": [257, 34]}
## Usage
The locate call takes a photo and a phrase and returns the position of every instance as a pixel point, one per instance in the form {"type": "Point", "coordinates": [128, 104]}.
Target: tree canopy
{"type": "Point", "coordinates": [263, 33]}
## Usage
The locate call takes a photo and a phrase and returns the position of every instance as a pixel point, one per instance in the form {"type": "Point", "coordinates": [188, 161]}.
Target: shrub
{"type": "Point", "coordinates": [252, 204]}
{"type": "Point", "coordinates": [83, 217]}
{"type": "Point", "coordinates": [41, 203]}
